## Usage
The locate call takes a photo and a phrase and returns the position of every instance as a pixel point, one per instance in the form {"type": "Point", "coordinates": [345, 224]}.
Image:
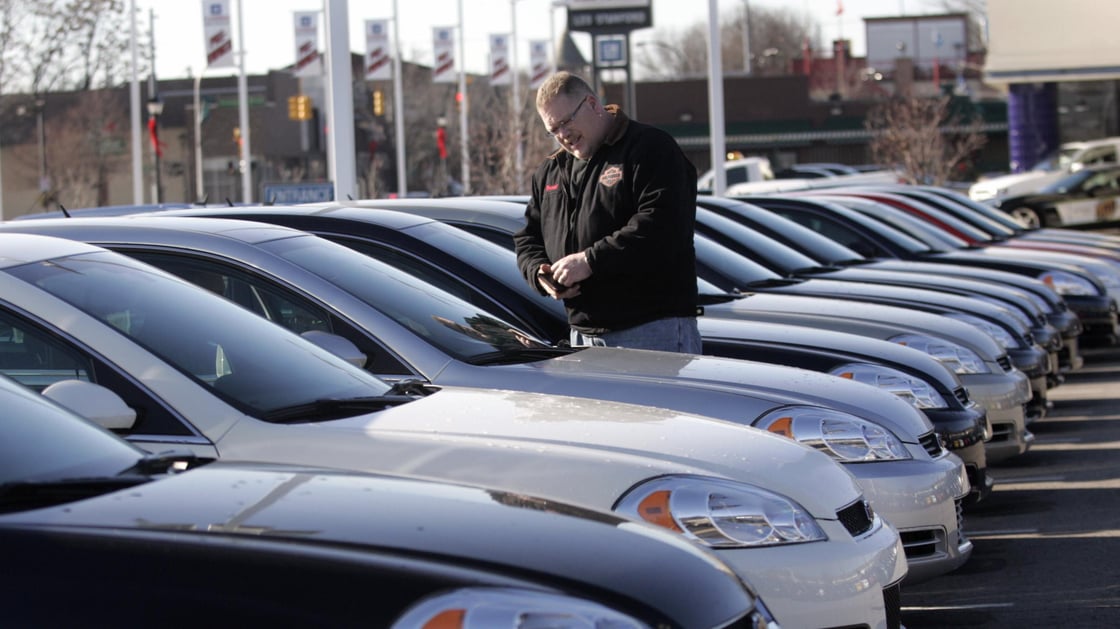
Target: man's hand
{"type": "Point", "coordinates": [546, 278]}
{"type": "Point", "coordinates": [571, 269]}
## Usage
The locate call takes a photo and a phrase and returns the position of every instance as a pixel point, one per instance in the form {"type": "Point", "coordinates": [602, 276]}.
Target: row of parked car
{"type": "Point", "coordinates": [367, 393]}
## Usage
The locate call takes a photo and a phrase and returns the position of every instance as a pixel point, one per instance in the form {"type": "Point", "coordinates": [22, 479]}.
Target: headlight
{"type": "Point", "coordinates": [844, 437]}
{"type": "Point", "coordinates": [960, 359]}
{"type": "Point", "coordinates": [482, 608]}
{"type": "Point", "coordinates": [1068, 283]}
{"type": "Point", "coordinates": [720, 513]}
{"type": "Point", "coordinates": [1001, 335]}
{"type": "Point", "coordinates": [914, 390]}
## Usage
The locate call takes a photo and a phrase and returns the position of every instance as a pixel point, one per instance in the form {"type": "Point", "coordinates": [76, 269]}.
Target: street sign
{"type": "Point", "coordinates": [609, 16]}
{"type": "Point", "coordinates": [610, 51]}
{"type": "Point", "coordinates": [292, 193]}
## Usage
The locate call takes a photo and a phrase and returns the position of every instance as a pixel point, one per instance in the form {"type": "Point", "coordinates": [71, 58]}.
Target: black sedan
{"type": "Point", "coordinates": [98, 533]}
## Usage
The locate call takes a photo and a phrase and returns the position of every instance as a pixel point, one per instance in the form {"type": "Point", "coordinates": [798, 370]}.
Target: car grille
{"type": "Point", "coordinates": [919, 544]}
{"type": "Point", "coordinates": [932, 444]}
{"type": "Point", "coordinates": [1004, 362]}
{"type": "Point", "coordinates": [857, 517]}
{"type": "Point", "coordinates": [961, 394]}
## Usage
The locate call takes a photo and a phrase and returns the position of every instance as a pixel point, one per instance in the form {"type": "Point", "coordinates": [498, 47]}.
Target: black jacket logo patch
{"type": "Point", "coordinates": [611, 176]}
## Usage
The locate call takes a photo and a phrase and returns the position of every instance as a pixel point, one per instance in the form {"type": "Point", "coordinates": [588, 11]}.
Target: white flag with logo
{"type": "Point", "coordinates": [215, 28]}
{"type": "Point", "coordinates": [500, 71]}
{"type": "Point", "coordinates": [443, 70]}
{"type": "Point", "coordinates": [377, 51]}
{"type": "Point", "coordinates": [307, 44]}
{"type": "Point", "coordinates": [540, 62]}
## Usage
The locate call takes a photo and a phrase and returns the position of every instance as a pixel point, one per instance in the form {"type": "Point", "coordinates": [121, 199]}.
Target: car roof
{"type": "Point", "coordinates": [19, 249]}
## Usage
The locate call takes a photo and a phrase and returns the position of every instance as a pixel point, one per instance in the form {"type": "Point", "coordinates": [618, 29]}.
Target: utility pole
{"type": "Point", "coordinates": [243, 112]}
{"type": "Point", "coordinates": [155, 108]}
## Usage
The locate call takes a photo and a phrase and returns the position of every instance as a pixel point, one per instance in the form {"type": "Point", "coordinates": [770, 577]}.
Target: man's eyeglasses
{"type": "Point", "coordinates": [560, 126]}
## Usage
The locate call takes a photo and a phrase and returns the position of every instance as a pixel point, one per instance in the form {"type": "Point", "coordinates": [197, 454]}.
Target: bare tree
{"type": "Point", "coordinates": [775, 37]}
{"type": "Point", "coordinates": [926, 139]}
{"type": "Point", "coordinates": [88, 141]}
{"type": "Point", "coordinates": [67, 44]}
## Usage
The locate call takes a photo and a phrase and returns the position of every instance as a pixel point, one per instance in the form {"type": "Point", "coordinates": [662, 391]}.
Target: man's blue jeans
{"type": "Point", "coordinates": [675, 334]}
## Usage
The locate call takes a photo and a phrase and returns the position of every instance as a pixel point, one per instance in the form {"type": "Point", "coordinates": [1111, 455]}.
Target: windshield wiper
{"type": "Point", "coordinates": [528, 354]}
{"type": "Point", "coordinates": [334, 408]}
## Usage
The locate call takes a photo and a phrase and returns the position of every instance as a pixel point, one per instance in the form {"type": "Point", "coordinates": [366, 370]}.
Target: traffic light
{"type": "Point", "coordinates": [299, 107]}
{"type": "Point", "coordinates": [378, 103]}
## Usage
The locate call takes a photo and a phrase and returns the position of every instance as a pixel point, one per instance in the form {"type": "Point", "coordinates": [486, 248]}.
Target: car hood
{"type": "Point", "coordinates": [929, 300]}
{"type": "Point", "coordinates": [572, 449]}
{"type": "Point", "coordinates": [876, 320]}
{"type": "Point", "coordinates": [1022, 282]}
{"type": "Point", "coordinates": [735, 390]}
{"type": "Point", "coordinates": [458, 524]}
{"type": "Point", "coordinates": [934, 281]}
{"type": "Point", "coordinates": [851, 346]}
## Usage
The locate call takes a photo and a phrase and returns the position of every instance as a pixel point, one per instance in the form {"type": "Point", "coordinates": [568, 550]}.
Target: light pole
{"type": "Point", "coordinates": [155, 110]}
{"type": "Point", "coordinates": [44, 182]}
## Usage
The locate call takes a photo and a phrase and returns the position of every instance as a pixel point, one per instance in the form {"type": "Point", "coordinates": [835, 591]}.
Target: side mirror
{"type": "Point", "coordinates": [94, 402]}
{"type": "Point", "coordinates": [337, 345]}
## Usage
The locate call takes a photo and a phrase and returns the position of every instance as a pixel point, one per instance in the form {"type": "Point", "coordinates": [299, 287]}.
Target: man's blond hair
{"type": "Point", "coordinates": [562, 83]}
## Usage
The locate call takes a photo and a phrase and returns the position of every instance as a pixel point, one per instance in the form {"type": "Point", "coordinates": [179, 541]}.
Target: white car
{"type": "Point", "coordinates": [1070, 157]}
{"type": "Point", "coordinates": [197, 371]}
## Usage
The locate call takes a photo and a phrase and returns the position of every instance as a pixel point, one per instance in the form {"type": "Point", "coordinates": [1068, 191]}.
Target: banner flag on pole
{"type": "Point", "coordinates": [378, 62]}
{"type": "Point", "coordinates": [499, 60]}
{"type": "Point", "coordinates": [443, 70]}
{"type": "Point", "coordinates": [307, 44]}
{"type": "Point", "coordinates": [540, 62]}
{"type": "Point", "coordinates": [215, 28]}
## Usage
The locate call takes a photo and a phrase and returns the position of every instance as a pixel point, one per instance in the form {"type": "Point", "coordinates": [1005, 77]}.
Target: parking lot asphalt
{"type": "Point", "coordinates": [1047, 540]}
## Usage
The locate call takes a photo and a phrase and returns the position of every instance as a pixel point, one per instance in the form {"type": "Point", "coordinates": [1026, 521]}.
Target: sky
{"type": "Point", "coordinates": [270, 39]}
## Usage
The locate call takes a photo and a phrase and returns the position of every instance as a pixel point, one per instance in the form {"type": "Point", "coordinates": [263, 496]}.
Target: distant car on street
{"type": "Point", "coordinates": [1089, 195]}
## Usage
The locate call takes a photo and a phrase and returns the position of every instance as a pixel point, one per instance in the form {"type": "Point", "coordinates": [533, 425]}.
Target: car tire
{"type": "Point", "coordinates": [1027, 216]}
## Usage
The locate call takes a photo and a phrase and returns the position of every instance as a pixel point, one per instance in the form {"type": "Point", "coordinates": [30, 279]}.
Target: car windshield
{"type": "Point", "coordinates": [40, 441]}
{"type": "Point", "coordinates": [447, 322]}
{"type": "Point", "coordinates": [255, 365]}
{"type": "Point", "coordinates": [1067, 183]}
{"type": "Point", "coordinates": [727, 269]}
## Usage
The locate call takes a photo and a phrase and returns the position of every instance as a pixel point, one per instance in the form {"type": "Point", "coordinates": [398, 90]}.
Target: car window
{"type": "Point", "coordinates": [1099, 155]}
{"type": "Point", "coordinates": [31, 359]}
{"type": "Point", "coordinates": [727, 269]}
{"type": "Point", "coordinates": [254, 366]}
{"type": "Point", "coordinates": [455, 326]}
{"type": "Point", "coordinates": [835, 230]}
{"type": "Point", "coordinates": [37, 358]}
{"type": "Point", "coordinates": [275, 303]}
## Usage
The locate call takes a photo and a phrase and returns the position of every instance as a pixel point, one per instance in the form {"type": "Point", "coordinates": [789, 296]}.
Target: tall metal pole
{"type": "Point", "coordinates": [746, 37]}
{"type": "Point", "coordinates": [340, 140]}
{"type": "Point", "coordinates": [134, 110]}
{"type": "Point", "coordinates": [398, 106]}
{"type": "Point", "coordinates": [199, 188]}
{"type": "Point", "coordinates": [464, 104]}
{"type": "Point", "coordinates": [518, 151]}
{"type": "Point", "coordinates": [153, 97]}
{"type": "Point", "coordinates": [715, 100]}
{"type": "Point", "coordinates": [243, 111]}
